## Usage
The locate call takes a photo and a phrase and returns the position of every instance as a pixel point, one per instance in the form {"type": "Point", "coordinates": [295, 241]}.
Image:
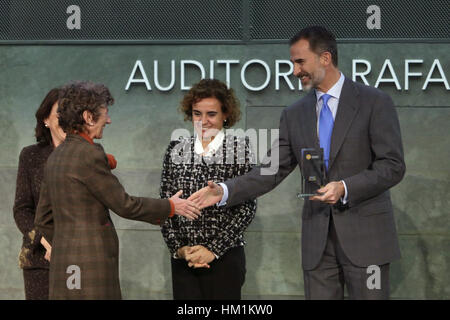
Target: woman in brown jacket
{"type": "Point", "coordinates": [77, 192]}
{"type": "Point", "coordinates": [35, 252]}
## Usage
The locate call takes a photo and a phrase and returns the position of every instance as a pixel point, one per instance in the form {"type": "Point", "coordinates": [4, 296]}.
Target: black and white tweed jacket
{"type": "Point", "coordinates": [218, 229]}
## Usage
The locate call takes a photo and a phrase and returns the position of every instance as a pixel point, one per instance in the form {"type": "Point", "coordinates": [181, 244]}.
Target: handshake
{"type": "Point", "coordinates": [213, 193]}
{"type": "Point", "coordinates": [201, 199]}
{"type": "Point", "coordinates": [197, 256]}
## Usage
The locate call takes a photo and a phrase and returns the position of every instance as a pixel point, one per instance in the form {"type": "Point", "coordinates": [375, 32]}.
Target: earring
{"type": "Point", "coordinates": [46, 125]}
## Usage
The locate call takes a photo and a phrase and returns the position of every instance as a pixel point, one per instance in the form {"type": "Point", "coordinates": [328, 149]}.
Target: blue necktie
{"type": "Point", "coordinates": [326, 123]}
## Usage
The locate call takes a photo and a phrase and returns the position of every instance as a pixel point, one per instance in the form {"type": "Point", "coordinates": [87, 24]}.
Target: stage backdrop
{"type": "Point", "coordinates": [148, 80]}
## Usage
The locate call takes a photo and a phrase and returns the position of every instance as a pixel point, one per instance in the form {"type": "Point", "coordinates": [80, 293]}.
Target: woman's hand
{"type": "Point", "coordinates": [181, 252]}
{"type": "Point", "coordinates": [184, 207]}
{"type": "Point", "coordinates": [199, 257]}
{"type": "Point", "coordinates": [48, 249]}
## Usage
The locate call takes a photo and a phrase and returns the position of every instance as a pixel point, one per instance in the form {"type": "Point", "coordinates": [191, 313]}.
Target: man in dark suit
{"type": "Point", "coordinates": [348, 228]}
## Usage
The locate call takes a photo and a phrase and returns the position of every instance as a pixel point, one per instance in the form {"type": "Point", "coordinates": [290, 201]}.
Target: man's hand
{"type": "Point", "coordinates": [186, 208]}
{"type": "Point", "coordinates": [199, 257]}
{"type": "Point", "coordinates": [207, 196]}
{"type": "Point", "coordinates": [48, 249]}
{"type": "Point", "coordinates": [331, 193]}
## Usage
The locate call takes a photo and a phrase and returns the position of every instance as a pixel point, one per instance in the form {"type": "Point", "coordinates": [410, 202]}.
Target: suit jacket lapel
{"type": "Point", "coordinates": [347, 108]}
{"type": "Point", "coordinates": [309, 123]}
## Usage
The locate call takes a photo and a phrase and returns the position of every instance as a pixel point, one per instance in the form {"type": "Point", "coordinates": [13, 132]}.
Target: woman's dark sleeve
{"type": "Point", "coordinates": [44, 214]}
{"type": "Point", "coordinates": [170, 229]}
{"type": "Point", "coordinates": [24, 207]}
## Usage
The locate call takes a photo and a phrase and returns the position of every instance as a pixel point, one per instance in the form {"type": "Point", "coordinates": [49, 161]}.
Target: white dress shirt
{"type": "Point", "coordinates": [212, 147]}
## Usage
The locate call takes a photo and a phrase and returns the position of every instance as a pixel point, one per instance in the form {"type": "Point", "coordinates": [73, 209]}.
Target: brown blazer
{"type": "Point", "coordinates": [72, 214]}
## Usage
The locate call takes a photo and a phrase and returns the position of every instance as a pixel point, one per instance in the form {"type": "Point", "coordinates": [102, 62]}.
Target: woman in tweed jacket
{"type": "Point", "coordinates": [77, 192]}
{"type": "Point", "coordinates": [208, 260]}
{"type": "Point", "coordinates": [35, 252]}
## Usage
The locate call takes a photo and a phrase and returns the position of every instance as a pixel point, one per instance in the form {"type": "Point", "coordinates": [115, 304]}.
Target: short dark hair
{"type": "Point", "coordinates": [320, 40]}
{"type": "Point", "coordinates": [212, 88]}
{"type": "Point", "coordinates": [78, 96]}
{"type": "Point", "coordinates": [42, 133]}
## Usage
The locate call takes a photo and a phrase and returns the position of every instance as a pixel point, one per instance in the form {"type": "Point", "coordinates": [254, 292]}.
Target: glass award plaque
{"type": "Point", "coordinates": [312, 169]}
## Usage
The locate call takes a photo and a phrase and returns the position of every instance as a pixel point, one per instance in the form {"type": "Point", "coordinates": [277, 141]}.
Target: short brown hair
{"type": "Point", "coordinates": [78, 96]}
{"type": "Point", "coordinates": [320, 40]}
{"type": "Point", "coordinates": [208, 88]}
{"type": "Point", "coordinates": [42, 133]}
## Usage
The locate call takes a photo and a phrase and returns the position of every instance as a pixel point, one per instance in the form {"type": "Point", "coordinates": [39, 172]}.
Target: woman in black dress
{"type": "Point", "coordinates": [35, 253]}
